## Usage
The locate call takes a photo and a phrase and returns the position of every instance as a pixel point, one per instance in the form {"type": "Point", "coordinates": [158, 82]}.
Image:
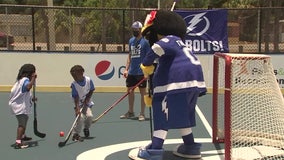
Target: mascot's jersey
{"type": "Point", "coordinates": [138, 49]}
{"type": "Point", "coordinates": [178, 69]}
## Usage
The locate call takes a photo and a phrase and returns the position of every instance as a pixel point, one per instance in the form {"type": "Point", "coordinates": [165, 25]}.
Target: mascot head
{"type": "Point", "coordinates": [162, 22]}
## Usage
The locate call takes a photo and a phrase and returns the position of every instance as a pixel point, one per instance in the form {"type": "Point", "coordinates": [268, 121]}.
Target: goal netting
{"type": "Point", "coordinates": [248, 107]}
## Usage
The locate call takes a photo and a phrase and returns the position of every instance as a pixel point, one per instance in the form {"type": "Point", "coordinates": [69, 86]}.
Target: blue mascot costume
{"type": "Point", "coordinates": [177, 83]}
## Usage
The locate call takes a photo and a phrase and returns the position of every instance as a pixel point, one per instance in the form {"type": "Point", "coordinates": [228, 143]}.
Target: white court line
{"type": "Point", "coordinates": [206, 124]}
{"type": "Point", "coordinates": [102, 152]}
{"type": "Point", "coordinates": [204, 120]}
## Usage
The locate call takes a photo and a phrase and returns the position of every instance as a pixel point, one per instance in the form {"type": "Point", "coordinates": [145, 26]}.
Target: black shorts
{"type": "Point", "coordinates": [132, 80]}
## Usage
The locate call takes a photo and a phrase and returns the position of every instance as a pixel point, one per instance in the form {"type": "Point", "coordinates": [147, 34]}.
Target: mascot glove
{"type": "Point", "coordinates": [147, 70]}
{"type": "Point", "coordinates": [148, 100]}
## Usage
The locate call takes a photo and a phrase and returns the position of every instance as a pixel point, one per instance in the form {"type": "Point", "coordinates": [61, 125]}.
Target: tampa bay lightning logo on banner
{"type": "Point", "coordinates": [194, 21]}
{"type": "Point", "coordinates": [206, 30]}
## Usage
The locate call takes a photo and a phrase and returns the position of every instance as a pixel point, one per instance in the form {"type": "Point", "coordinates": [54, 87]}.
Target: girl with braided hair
{"type": "Point", "coordinates": [20, 101]}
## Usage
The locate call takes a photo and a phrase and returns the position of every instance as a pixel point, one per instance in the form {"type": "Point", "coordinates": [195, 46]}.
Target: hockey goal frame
{"type": "Point", "coordinates": [221, 136]}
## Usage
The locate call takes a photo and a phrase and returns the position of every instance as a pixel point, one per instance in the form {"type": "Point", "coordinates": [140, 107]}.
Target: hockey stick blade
{"type": "Point", "coordinates": [61, 144]}
{"type": "Point", "coordinates": [119, 100]}
{"type": "Point", "coordinates": [36, 132]}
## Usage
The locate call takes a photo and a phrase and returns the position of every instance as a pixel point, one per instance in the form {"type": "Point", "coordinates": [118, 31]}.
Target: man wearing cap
{"type": "Point", "coordinates": [138, 47]}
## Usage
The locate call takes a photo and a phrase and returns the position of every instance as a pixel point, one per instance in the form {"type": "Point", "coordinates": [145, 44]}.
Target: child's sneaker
{"type": "Point", "coordinates": [86, 132]}
{"type": "Point", "coordinates": [188, 151]}
{"type": "Point", "coordinates": [141, 117]}
{"type": "Point", "coordinates": [77, 137]}
{"type": "Point", "coordinates": [20, 145]}
{"type": "Point", "coordinates": [25, 138]}
{"type": "Point", "coordinates": [127, 115]}
{"type": "Point", "coordinates": [150, 154]}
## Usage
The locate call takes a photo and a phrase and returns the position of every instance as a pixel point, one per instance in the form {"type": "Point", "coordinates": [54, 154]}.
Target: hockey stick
{"type": "Point", "coordinates": [150, 93]}
{"type": "Point", "coordinates": [173, 6]}
{"type": "Point", "coordinates": [36, 132]}
{"type": "Point", "coordinates": [119, 100]}
{"type": "Point", "coordinates": [61, 144]}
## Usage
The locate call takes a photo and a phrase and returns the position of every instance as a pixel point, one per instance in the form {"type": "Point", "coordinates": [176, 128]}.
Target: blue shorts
{"type": "Point", "coordinates": [175, 110]}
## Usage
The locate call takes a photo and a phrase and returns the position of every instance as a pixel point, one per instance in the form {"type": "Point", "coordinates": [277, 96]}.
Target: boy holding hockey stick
{"type": "Point", "coordinates": [21, 100]}
{"type": "Point", "coordinates": [82, 90]}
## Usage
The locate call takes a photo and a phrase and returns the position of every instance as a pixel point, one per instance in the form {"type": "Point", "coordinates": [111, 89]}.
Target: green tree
{"type": "Point", "coordinates": [242, 3]}
{"type": "Point", "coordinates": [8, 2]}
{"type": "Point", "coordinates": [103, 25]}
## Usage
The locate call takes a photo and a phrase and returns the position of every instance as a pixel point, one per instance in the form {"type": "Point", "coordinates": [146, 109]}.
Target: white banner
{"type": "Point", "coordinates": [105, 69]}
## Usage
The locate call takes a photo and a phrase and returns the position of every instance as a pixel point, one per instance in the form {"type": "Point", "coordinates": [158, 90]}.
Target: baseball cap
{"type": "Point", "coordinates": [136, 25]}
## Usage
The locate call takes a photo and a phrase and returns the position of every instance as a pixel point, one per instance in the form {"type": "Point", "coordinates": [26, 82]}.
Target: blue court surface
{"type": "Point", "coordinates": [110, 138]}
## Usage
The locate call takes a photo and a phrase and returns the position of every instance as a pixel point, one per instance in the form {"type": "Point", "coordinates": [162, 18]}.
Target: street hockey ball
{"type": "Point", "coordinates": [61, 134]}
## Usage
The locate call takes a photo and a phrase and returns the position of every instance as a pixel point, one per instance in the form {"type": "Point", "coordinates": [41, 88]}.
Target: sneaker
{"type": "Point", "coordinates": [77, 137]}
{"type": "Point", "coordinates": [20, 145]}
{"type": "Point", "coordinates": [141, 117]}
{"type": "Point", "coordinates": [188, 151]}
{"type": "Point", "coordinates": [25, 138]}
{"type": "Point", "coordinates": [150, 154]}
{"type": "Point", "coordinates": [127, 115]}
{"type": "Point", "coordinates": [86, 132]}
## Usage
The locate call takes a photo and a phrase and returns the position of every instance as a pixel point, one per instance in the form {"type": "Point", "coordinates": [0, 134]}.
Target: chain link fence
{"type": "Point", "coordinates": [91, 30]}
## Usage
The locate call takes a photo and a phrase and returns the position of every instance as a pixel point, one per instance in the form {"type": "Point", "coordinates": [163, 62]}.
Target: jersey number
{"type": "Point", "coordinates": [191, 57]}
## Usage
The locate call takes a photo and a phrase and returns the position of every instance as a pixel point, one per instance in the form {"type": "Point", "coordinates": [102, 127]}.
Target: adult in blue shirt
{"type": "Point", "coordinates": [138, 47]}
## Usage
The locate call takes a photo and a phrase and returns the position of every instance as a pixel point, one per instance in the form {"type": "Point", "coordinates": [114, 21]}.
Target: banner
{"type": "Point", "coordinates": [206, 30]}
{"type": "Point", "coordinates": [106, 70]}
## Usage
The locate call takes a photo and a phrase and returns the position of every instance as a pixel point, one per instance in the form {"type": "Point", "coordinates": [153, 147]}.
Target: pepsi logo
{"type": "Point", "coordinates": [104, 70]}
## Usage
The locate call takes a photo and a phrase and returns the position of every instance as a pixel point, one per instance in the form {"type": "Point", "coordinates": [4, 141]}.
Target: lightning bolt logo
{"type": "Point", "coordinates": [195, 20]}
{"type": "Point", "coordinates": [164, 107]}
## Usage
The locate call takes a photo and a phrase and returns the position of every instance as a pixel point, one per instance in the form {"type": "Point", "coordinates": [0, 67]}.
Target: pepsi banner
{"type": "Point", "coordinates": [206, 31]}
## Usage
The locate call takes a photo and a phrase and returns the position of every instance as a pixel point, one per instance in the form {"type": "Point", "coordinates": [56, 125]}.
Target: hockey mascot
{"type": "Point", "coordinates": [177, 83]}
